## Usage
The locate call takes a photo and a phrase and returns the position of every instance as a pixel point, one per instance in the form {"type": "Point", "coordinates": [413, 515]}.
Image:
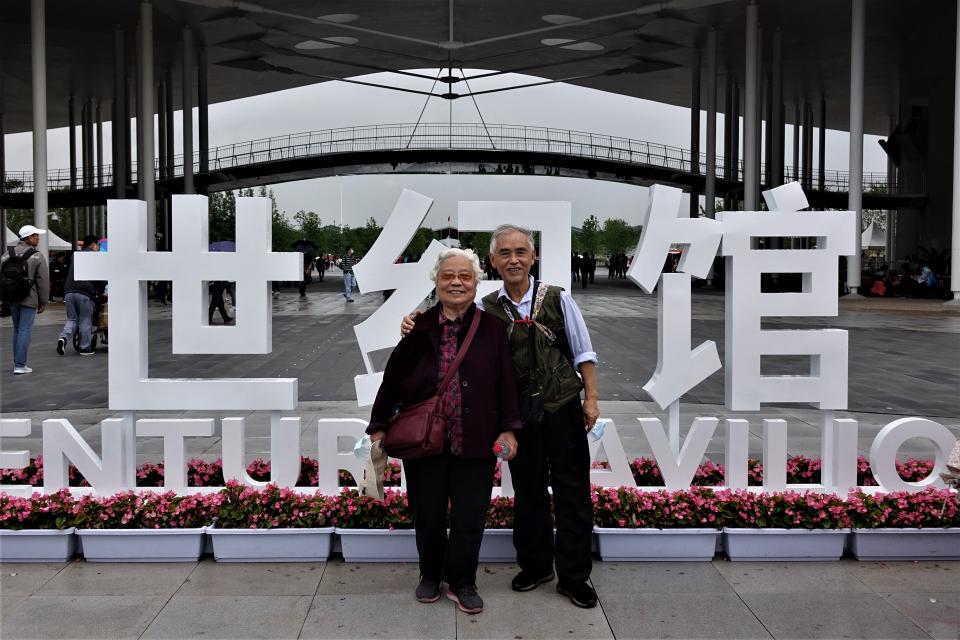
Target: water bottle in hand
{"type": "Point", "coordinates": [502, 449]}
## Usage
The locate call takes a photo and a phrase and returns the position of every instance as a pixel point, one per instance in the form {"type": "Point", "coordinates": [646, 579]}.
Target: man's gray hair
{"type": "Point", "coordinates": [453, 252]}
{"type": "Point", "coordinates": [504, 229]}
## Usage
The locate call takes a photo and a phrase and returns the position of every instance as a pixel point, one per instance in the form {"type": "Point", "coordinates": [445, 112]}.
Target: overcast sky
{"type": "Point", "coordinates": [336, 104]}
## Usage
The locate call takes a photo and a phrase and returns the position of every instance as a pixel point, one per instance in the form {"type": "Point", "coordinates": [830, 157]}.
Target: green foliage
{"type": "Point", "coordinates": [421, 240]}
{"type": "Point", "coordinates": [618, 236]}
{"type": "Point", "coordinates": [588, 240]}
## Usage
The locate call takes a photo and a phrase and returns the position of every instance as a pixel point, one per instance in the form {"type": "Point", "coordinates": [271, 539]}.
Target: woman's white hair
{"type": "Point", "coordinates": [504, 229]}
{"type": "Point", "coordinates": [453, 252]}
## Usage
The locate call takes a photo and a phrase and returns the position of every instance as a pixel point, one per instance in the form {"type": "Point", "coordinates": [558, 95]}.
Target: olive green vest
{"type": "Point", "coordinates": [559, 382]}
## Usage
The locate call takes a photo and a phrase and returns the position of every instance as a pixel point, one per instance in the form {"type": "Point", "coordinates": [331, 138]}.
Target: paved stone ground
{"type": "Point", "coordinates": [719, 599]}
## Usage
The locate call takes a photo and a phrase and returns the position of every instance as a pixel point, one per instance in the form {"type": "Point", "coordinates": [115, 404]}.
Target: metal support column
{"type": "Point", "coordinates": [203, 104]}
{"type": "Point", "coordinates": [805, 151]}
{"type": "Point", "coordinates": [168, 113]}
{"type": "Point", "coordinates": [727, 134]}
{"type": "Point", "coordinates": [161, 130]}
{"type": "Point", "coordinates": [99, 169]}
{"type": "Point", "coordinates": [120, 125]}
{"type": "Point", "coordinates": [85, 164]}
{"type": "Point", "coordinates": [822, 149]}
{"type": "Point", "coordinates": [3, 176]}
{"type": "Point", "coordinates": [710, 184]}
{"type": "Point", "coordinates": [776, 121]}
{"type": "Point", "coordinates": [88, 165]}
{"type": "Point", "coordinates": [695, 131]}
{"type": "Point", "coordinates": [855, 202]}
{"type": "Point", "coordinates": [750, 160]}
{"type": "Point", "coordinates": [38, 68]}
{"type": "Point", "coordinates": [145, 143]}
{"type": "Point", "coordinates": [735, 143]}
{"type": "Point", "coordinates": [74, 222]}
{"type": "Point", "coordinates": [955, 234]}
{"type": "Point", "coordinates": [891, 188]}
{"type": "Point", "coordinates": [796, 142]}
{"type": "Point", "coordinates": [187, 89]}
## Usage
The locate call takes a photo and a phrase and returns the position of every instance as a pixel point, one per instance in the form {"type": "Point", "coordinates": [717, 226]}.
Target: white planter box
{"type": "Point", "coordinates": [142, 545]}
{"type": "Point", "coordinates": [906, 544]}
{"type": "Point", "coordinates": [378, 545]}
{"type": "Point", "coordinates": [37, 545]}
{"type": "Point", "coordinates": [784, 544]}
{"type": "Point", "coordinates": [497, 546]}
{"type": "Point", "coordinates": [271, 545]}
{"type": "Point", "coordinates": [656, 544]}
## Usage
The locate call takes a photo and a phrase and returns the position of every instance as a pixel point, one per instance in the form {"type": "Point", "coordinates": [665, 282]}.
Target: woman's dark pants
{"type": "Point", "coordinates": [466, 484]}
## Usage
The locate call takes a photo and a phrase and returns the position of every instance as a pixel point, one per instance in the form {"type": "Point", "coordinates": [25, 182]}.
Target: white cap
{"type": "Point", "coordinates": [28, 230]}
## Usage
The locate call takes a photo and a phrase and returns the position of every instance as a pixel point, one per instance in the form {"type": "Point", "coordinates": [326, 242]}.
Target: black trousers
{"type": "Point", "coordinates": [465, 484]}
{"type": "Point", "coordinates": [554, 454]}
{"type": "Point", "coordinates": [216, 301]}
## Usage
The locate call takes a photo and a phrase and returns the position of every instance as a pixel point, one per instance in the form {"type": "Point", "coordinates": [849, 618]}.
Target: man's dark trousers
{"type": "Point", "coordinates": [466, 483]}
{"type": "Point", "coordinates": [555, 453]}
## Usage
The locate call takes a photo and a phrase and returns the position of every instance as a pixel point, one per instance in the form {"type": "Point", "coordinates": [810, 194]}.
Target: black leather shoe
{"type": "Point", "coordinates": [527, 581]}
{"type": "Point", "coordinates": [580, 594]}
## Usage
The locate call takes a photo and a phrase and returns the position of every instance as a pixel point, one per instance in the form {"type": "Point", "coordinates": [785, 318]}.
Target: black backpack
{"type": "Point", "coordinates": [15, 282]}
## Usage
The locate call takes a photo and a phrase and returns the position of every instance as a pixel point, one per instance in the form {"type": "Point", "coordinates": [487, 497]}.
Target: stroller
{"type": "Point", "coordinates": [98, 334]}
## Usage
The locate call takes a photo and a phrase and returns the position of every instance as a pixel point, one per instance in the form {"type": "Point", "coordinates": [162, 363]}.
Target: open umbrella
{"type": "Point", "coordinates": [304, 245]}
{"type": "Point", "coordinates": [103, 244]}
{"type": "Point", "coordinates": [223, 246]}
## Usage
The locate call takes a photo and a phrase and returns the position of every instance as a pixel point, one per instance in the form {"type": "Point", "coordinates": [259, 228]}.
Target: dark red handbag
{"type": "Point", "coordinates": [418, 431]}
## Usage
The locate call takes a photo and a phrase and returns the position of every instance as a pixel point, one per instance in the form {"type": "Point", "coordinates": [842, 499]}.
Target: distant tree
{"type": "Point", "coordinates": [589, 240]}
{"type": "Point", "coordinates": [420, 241]}
{"type": "Point", "coordinates": [223, 215]}
{"type": "Point", "coordinates": [479, 240]}
{"type": "Point", "coordinates": [618, 236]}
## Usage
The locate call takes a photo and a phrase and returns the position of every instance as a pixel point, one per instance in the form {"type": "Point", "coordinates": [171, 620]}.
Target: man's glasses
{"type": "Point", "coordinates": [464, 276]}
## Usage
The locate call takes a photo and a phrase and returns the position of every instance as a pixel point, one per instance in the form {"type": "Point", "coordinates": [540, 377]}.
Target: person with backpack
{"type": "Point", "coordinates": [80, 299]}
{"type": "Point", "coordinates": [25, 289]}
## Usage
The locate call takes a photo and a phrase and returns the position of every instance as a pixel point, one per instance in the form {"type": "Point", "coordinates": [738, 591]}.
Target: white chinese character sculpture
{"type": "Point", "coordinates": [378, 271]}
{"type": "Point", "coordinates": [746, 305]}
{"type": "Point", "coordinates": [128, 266]}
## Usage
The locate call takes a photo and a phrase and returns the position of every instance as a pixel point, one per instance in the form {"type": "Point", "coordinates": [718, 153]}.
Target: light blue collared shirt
{"type": "Point", "coordinates": [577, 334]}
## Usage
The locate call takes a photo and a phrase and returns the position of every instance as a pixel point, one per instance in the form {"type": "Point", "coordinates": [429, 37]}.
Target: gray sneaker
{"type": "Point", "coordinates": [467, 598]}
{"type": "Point", "coordinates": [428, 591]}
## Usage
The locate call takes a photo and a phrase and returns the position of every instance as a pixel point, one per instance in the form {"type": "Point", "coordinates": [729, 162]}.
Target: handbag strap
{"type": "Point", "coordinates": [452, 371]}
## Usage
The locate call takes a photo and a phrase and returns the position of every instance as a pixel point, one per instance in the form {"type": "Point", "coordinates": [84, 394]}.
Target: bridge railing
{"type": "Point", "coordinates": [388, 137]}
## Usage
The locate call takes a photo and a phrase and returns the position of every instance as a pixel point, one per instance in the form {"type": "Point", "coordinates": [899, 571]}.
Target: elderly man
{"type": "Point", "coordinates": [25, 289]}
{"type": "Point", "coordinates": [552, 447]}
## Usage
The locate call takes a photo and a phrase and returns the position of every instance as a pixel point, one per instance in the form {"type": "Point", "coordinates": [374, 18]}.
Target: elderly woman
{"type": "Point", "coordinates": [480, 409]}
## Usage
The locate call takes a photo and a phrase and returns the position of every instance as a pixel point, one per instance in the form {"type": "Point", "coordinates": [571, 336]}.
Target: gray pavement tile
{"type": "Point", "coordinates": [831, 615]}
{"type": "Point", "coordinates": [193, 616]}
{"type": "Point", "coordinates": [22, 578]}
{"type": "Point", "coordinates": [894, 577]}
{"type": "Point", "coordinates": [79, 616]}
{"type": "Point", "coordinates": [7, 605]}
{"type": "Point", "coordinates": [384, 615]}
{"type": "Point", "coordinates": [699, 615]}
{"type": "Point", "coordinates": [341, 578]}
{"type": "Point", "coordinates": [494, 579]}
{"type": "Point", "coordinates": [120, 579]}
{"type": "Point", "coordinates": [542, 613]}
{"type": "Point", "coordinates": [936, 613]}
{"type": "Point", "coordinates": [790, 577]}
{"type": "Point", "coordinates": [657, 577]}
{"type": "Point", "coordinates": [265, 579]}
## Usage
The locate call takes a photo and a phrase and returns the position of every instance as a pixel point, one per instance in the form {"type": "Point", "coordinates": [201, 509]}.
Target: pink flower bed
{"type": "Point", "coordinates": [237, 506]}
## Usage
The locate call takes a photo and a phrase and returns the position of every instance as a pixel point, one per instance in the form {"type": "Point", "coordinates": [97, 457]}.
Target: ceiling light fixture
{"type": "Point", "coordinates": [576, 46]}
{"type": "Point", "coordinates": [325, 43]}
{"type": "Point", "coordinates": [558, 18]}
{"type": "Point", "coordinates": [339, 18]}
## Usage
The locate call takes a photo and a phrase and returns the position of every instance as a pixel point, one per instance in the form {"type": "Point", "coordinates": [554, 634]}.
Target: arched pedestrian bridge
{"type": "Point", "coordinates": [446, 148]}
